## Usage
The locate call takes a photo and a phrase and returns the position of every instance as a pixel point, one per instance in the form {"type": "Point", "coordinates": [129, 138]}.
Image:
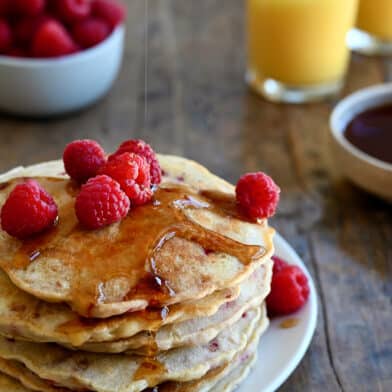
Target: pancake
{"type": "Point", "coordinates": [228, 375]}
{"type": "Point", "coordinates": [9, 384]}
{"type": "Point", "coordinates": [26, 317]}
{"type": "Point", "coordinates": [27, 378]}
{"type": "Point", "coordinates": [188, 243]}
{"type": "Point", "coordinates": [120, 373]}
{"type": "Point", "coordinates": [196, 331]}
{"type": "Point", "coordinates": [237, 375]}
{"type": "Point", "coordinates": [204, 384]}
{"type": "Point", "coordinates": [232, 375]}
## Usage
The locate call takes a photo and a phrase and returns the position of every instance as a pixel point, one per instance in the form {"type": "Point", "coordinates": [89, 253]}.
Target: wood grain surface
{"type": "Point", "coordinates": [194, 103]}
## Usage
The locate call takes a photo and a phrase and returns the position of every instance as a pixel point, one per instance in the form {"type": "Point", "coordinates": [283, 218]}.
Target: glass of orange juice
{"type": "Point", "coordinates": [297, 49]}
{"type": "Point", "coordinates": [373, 31]}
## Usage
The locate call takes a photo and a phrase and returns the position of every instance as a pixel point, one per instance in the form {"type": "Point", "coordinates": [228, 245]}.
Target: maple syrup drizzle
{"type": "Point", "coordinates": [289, 323]}
{"type": "Point", "coordinates": [150, 345]}
{"type": "Point", "coordinates": [4, 185]}
{"type": "Point", "coordinates": [151, 370]}
{"type": "Point", "coordinates": [127, 251]}
{"type": "Point", "coordinates": [155, 317]}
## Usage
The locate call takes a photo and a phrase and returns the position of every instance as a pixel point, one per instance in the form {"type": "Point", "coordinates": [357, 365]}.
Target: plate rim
{"type": "Point", "coordinates": [310, 328]}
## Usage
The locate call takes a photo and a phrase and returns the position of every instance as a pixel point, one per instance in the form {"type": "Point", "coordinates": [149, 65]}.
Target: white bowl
{"type": "Point", "coordinates": [364, 170]}
{"type": "Point", "coordinates": [46, 87]}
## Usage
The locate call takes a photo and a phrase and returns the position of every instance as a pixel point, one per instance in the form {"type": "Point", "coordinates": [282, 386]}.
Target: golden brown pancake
{"type": "Point", "coordinates": [180, 282]}
{"type": "Point", "coordinates": [226, 377]}
{"type": "Point", "coordinates": [127, 373]}
{"type": "Point", "coordinates": [190, 241]}
{"type": "Point", "coordinates": [29, 318]}
{"type": "Point", "coordinates": [18, 371]}
{"type": "Point", "coordinates": [196, 331]}
{"type": "Point", "coordinates": [9, 384]}
{"type": "Point", "coordinates": [222, 378]}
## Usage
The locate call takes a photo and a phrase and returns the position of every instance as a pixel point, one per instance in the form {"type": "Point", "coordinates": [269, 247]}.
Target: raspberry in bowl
{"type": "Point", "coordinates": [58, 56]}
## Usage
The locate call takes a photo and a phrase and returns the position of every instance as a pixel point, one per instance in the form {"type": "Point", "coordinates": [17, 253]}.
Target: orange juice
{"type": "Point", "coordinates": [375, 17]}
{"type": "Point", "coordinates": [299, 42]}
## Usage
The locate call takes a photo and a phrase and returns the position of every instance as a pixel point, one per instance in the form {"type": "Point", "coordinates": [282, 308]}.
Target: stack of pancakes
{"type": "Point", "coordinates": [169, 299]}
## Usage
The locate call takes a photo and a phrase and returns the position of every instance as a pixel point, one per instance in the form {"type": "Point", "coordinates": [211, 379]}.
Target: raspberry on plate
{"type": "Point", "coordinates": [82, 159]}
{"type": "Point", "coordinates": [71, 11]}
{"type": "Point", "coordinates": [90, 32]}
{"type": "Point", "coordinates": [257, 194]}
{"type": "Point", "coordinates": [28, 7]}
{"type": "Point", "coordinates": [28, 210]}
{"type": "Point", "coordinates": [132, 172]}
{"type": "Point", "coordinates": [289, 290]}
{"type": "Point", "coordinates": [112, 11]}
{"type": "Point", "coordinates": [5, 36]}
{"type": "Point", "coordinates": [101, 202]}
{"type": "Point", "coordinates": [140, 147]}
{"type": "Point", "coordinates": [52, 40]}
{"type": "Point", "coordinates": [279, 264]}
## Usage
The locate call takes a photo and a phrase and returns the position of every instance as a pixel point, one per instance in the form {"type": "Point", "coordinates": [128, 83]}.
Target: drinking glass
{"type": "Point", "coordinates": [373, 30]}
{"type": "Point", "coordinates": [297, 49]}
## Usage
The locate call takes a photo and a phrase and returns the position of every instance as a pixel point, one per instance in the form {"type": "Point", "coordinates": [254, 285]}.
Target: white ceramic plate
{"type": "Point", "coordinates": [281, 350]}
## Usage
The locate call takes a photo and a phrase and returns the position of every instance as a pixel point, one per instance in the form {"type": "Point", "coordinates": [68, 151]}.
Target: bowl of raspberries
{"type": "Point", "coordinates": [58, 56]}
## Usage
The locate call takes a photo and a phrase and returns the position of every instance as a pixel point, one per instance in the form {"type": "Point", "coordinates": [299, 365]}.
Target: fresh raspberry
{"type": "Point", "coordinates": [257, 195]}
{"type": "Point", "coordinates": [113, 12]}
{"type": "Point", "coordinates": [71, 11]}
{"type": "Point", "coordinates": [132, 172]}
{"type": "Point", "coordinates": [140, 147]}
{"type": "Point", "coordinates": [90, 32]}
{"type": "Point", "coordinates": [5, 6]}
{"type": "Point", "coordinates": [26, 27]}
{"type": "Point", "coordinates": [16, 52]}
{"type": "Point", "coordinates": [5, 36]}
{"type": "Point", "coordinates": [52, 40]}
{"type": "Point", "coordinates": [289, 291]}
{"type": "Point", "coordinates": [101, 202]}
{"type": "Point", "coordinates": [279, 264]}
{"type": "Point", "coordinates": [28, 210]}
{"type": "Point", "coordinates": [28, 7]}
{"type": "Point", "coordinates": [82, 159]}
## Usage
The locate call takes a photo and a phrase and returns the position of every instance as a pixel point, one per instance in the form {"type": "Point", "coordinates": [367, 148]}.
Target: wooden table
{"type": "Point", "coordinates": [199, 107]}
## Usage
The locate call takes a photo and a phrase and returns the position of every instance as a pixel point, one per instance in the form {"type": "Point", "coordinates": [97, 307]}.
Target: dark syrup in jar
{"type": "Point", "coordinates": [371, 132]}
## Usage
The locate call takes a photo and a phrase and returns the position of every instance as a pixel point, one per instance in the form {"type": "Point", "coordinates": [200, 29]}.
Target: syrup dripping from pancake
{"type": "Point", "coordinates": [128, 252]}
{"type": "Point", "coordinates": [150, 369]}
